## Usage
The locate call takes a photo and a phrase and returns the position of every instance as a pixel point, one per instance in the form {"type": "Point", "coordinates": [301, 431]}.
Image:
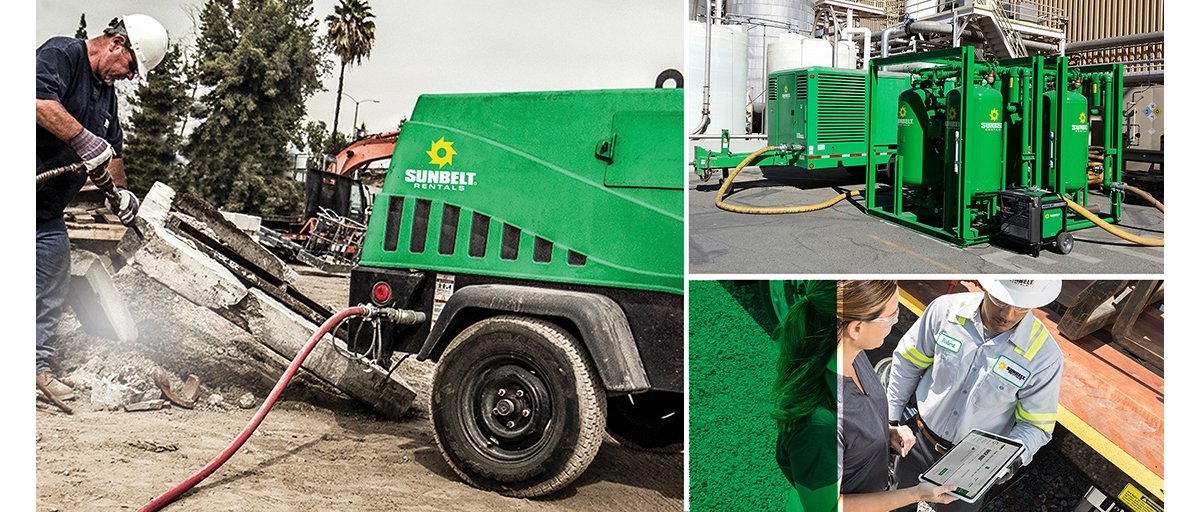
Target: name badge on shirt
{"type": "Point", "coordinates": [1011, 371]}
{"type": "Point", "coordinates": [945, 341]}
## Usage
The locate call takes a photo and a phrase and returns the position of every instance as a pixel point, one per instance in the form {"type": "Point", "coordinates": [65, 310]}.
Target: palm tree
{"type": "Point", "coordinates": [352, 34]}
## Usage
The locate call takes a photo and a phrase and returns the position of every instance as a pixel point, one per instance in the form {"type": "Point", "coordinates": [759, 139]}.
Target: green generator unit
{"type": "Point", "coordinates": [542, 233]}
{"type": "Point", "coordinates": [819, 109]}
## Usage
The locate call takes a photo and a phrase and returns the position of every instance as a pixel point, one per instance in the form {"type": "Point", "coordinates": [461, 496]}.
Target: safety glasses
{"type": "Point", "coordinates": [1002, 305]}
{"type": "Point", "coordinates": [890, 320]}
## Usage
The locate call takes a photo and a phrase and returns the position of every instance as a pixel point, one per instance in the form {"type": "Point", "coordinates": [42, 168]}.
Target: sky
{"type": "Point", "coordinates": [452, 46]}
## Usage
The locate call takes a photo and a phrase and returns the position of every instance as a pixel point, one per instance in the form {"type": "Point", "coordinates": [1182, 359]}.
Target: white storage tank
{"type": "Point", "coordinates": [847, 55]}
{"type": "Point", "coordinates": [792, 51]}
{"type": "Point", "coordinates": [798, 15]}
{"type": "Point", "coordinates": [727, 79]}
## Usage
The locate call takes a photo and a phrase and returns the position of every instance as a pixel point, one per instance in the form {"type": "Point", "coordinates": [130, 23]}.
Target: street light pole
{"type": "Point", "coordinates": [356, 103]}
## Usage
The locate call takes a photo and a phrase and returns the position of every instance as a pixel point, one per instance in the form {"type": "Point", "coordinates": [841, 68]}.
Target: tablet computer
{"type": "Point", "coordinates": [974, 464]}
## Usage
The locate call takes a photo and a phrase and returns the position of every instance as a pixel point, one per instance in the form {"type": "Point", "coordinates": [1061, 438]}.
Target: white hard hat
{"type": "Point", "coordinates": [147, 39]}
{"type": "Point", "coordinates": [1023, 293]}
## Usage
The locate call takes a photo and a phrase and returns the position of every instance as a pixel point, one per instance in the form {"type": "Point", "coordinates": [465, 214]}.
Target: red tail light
{"type": "Point", "coordinates": [382, 293]}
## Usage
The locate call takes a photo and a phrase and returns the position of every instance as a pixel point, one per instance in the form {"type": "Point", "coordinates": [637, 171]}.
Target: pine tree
{"type": "Point", "coordinates": [260, 62]}
{"type": "Point", "coordinates": [152, 140]}
{"type": "Point", "coordinates": [81, 32]}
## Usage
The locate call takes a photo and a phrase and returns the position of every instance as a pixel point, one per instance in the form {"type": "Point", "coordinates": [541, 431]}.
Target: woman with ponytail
{"type": "Point", "coordinates": [830, 408]}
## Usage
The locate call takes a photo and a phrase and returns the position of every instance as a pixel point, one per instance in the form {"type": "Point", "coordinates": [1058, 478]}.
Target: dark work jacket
{"type": "Point", "coordinates": [65, 75]}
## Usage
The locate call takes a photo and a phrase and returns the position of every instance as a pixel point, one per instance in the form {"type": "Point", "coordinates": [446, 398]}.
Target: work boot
{"type": "Point", "coordinates": [56, 387]}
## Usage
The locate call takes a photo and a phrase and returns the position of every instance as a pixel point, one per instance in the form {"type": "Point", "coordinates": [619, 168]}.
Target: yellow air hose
{"type": "Point", "coordinates": [785, 209]}
{"type": "Point", "coordinates": [1140, 240]}
{"type": "Point", "coordinates": [1144, 195]}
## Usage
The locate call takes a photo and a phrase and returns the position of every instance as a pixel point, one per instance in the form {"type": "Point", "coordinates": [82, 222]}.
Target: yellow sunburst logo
{"type": "Point", "coordinates": [1002, 366]}
{"type": "Point", "coordinates": [952, 115]}
{"type": "Point", "coordinates": [994, 115]}
{"type": "Point", "coordinates": [903, 111]}
{"type": "Point", "coordinates": [1082, 117]}
{"type": "Point", "coordinates": [441, 153]}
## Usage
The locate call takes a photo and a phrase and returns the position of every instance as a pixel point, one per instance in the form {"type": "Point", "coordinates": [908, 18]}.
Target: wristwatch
{"type": "Point", "coordinates": [894, 423]}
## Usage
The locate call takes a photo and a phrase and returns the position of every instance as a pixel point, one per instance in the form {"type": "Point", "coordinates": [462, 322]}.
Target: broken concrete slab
{"type": "Point", "coordinates": [178, 264]}
{"type": "Point", "coordinates": [232, 241]}
{"type": "Point", "coordinates": [96, 302]}
{"type": "Point", "coordinates": [287, 333]}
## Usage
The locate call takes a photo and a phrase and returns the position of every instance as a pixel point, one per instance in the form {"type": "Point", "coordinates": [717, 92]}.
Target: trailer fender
{"type": "Point", "coordinates": [599, 319]}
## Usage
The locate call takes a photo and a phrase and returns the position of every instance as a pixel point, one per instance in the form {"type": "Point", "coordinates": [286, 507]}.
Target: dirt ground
{"type": "Point", "coordinates": [307, 455]}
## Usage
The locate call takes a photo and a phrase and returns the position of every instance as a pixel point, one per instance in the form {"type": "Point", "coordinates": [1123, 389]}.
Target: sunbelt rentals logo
{"type": "Point", "coordinates": [441, 153]}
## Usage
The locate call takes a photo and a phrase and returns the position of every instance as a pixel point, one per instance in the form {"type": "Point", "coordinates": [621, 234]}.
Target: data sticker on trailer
{"type": "Point", "coordinates": [1136, 501]}
{"type": "Point", "coordinates": [441, 293]}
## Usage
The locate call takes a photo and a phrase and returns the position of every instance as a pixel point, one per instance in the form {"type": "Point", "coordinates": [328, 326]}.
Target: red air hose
{"type": "Point", "coordinates": [186, 485]}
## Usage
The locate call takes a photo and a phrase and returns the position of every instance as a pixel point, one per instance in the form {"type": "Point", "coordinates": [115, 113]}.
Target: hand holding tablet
{"type": "Point", "coordinates": [974, 464]}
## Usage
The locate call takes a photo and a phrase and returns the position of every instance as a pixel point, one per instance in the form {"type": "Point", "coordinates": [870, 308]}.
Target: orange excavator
{"type": "Point", "coordinates": [336, 204]}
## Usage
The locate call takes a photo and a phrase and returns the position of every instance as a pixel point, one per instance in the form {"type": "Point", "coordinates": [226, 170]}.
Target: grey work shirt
{"type": "Point", "coordinates": [1007, 385]}
{"type": "Point", "coordinates": [863, 432]}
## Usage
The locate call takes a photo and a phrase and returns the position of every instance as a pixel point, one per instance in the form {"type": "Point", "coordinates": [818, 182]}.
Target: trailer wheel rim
{"type": "Point", "coordinates": [495, 416]}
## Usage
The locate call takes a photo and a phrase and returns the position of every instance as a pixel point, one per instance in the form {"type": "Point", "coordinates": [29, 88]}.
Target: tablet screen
{"type": "Point", "coordinates": [974, 462]}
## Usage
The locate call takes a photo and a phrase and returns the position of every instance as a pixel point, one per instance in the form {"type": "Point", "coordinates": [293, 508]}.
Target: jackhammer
{"type": "Point", "coordinates": [103, 181]}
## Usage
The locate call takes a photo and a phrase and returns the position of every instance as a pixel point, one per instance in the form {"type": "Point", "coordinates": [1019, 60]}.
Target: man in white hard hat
{"type": "Point", "coordinates": [977, 360]}
{"type": "Point", "coordinates": [77, 122]}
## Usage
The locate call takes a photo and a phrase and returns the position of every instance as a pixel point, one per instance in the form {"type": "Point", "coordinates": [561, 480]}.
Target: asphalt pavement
{"type": "Point", "coordinates": [844, 239]}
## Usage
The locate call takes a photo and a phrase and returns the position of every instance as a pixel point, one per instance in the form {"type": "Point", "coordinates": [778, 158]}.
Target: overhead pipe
{"type": "Point", "coordinates": [1109, 42]}
{"type": "Point", "coordinates": [913, 28]}
{"type": "Point", "coordinates": [847, 35]}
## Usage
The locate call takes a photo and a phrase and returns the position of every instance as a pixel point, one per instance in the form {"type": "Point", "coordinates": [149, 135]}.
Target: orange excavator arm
{"type": "Point", "coordinates": [362, 152]}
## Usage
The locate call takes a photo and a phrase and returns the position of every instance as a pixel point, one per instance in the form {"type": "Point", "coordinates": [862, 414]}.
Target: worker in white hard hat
{"type": "Point", "coordinates": [977, 360]}
{"type": "Point", "coordinates": [77, 123]}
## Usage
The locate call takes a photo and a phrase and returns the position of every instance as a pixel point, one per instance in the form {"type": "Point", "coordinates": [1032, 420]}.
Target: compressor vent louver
{"type": "Point", "coordinates": [841, 108]}
{"type": "Point", "coordinates": [480, 226]}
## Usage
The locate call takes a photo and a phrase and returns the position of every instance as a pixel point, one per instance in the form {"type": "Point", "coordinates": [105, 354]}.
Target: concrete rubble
{"type": "Point", "coordinates": [196, 295]}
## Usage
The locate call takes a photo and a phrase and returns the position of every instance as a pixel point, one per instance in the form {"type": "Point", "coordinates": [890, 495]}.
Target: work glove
{"type": "Point", "coordinates": [124, 204]}
{"type": "Point", "coordinates": [93, 151]}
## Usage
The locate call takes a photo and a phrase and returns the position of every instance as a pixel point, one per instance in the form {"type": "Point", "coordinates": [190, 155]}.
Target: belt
{"type": "Point", "coordinates": [939, 444]}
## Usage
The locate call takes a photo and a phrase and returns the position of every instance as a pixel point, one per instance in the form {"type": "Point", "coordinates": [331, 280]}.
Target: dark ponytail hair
{"type": "Point", "coordinates": [808, 338]}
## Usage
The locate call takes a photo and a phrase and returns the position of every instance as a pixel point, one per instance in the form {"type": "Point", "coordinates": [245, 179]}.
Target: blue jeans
{"type": "Point", "coordinates": [53, 283]}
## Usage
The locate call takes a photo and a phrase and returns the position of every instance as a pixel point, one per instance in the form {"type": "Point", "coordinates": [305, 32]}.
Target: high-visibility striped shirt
{"type": "Point", "coordinates": [1007, 385]}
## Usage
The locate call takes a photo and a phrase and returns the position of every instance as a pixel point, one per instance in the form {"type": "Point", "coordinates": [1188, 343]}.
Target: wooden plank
{"type": "Point", "coordinates": [1117, 397]}
{"type": "Point", "coordinates": [101, 232]}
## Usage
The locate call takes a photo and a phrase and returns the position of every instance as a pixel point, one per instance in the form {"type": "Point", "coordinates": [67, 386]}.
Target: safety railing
{"type": "Point", "coordinates": [1043, 13]}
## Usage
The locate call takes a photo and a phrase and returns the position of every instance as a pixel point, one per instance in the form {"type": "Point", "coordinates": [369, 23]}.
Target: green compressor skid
{"type": "Point", "coordinates": [578, 187]}
{"type": "Point", "coordinates": [972, 132]}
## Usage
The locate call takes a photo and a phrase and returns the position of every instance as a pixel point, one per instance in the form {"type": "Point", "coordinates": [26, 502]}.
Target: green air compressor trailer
{"type": "Point", "coordinates": [823, 110]}
{"type": "Point", "coordinates": [542, 234]}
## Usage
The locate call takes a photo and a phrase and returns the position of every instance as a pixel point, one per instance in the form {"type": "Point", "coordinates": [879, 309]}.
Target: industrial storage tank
{"type": "Point", "coordinates": [845, 55]}
{"type": "Point", "coordinates": [727, 79]}
{"type": "Point", "coordinates": [797, 15]}
{"type": "Point", "coordinates": [795, 51]}
{"type": "Point", "coordinates": [920, 131]}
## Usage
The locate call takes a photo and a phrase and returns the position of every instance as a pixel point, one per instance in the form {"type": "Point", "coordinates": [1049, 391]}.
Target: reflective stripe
{"type": "Point", "coordinates": [962, 320]}
{"type": "Point", "coordinates": [921, 360]}
{"type": "Point", "coordinates": [1040, 335]}
{"type": "Point", "coordinates": [1044, 421]}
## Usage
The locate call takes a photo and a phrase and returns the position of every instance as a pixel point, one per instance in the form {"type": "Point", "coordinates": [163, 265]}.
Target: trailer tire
{"type": "Point", "coordinates": [650, 421]}
{"type": "Point", "coordinates": [483, 434]}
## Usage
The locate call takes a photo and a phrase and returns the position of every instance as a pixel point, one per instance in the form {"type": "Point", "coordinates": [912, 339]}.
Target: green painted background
{"type": "Point", "coordinates": [732, 363]}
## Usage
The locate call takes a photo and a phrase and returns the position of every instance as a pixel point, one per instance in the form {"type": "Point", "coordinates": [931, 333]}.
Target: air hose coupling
{"type": "Point", "coordinates": [396, 316]}
{"type": "Point", "coordinates": [790, 148]}
{"type": "Point", "coordinates": [1118, 186]}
